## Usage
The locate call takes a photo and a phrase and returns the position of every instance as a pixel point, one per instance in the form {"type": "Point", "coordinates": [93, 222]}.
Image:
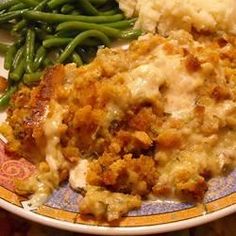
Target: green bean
{"type": "Point", "coordinates": [17, 74]}
{"type": "Point", "coordinates": [19, 6]}
{"type": "Point", "coordinates": [56, 42]}
{"type": "Point", "coordinates": [47, 28]}
{"type": "Point", "coordinates": [67, 8]}
{"type": "Point", "coordinates": [57, 3]}
{"type": "Point", "coordinates": [88, 8]}
{"type": "Point", "coordinates": [57, 18]}
{"type": "Point", "coordinates": [77, 59]}
{"type": "Point", "coordinates": [75, 25]}
{"type": "Point", "coordinates": [20, 25]}
{"type": "Point", "coordinates": [98, 2]}
{"type": "Point", "coordinates": [109, 12]}
{"type": "Point", "coordinates": [7, 4]}
{"type": "Point", "coordinates": [18, 57]}
{"type": "Point", "coordinates": [3, 48]}
{"type": "Point", "coordinates": [87, 53]}
{"type": "Point", "coordinates": [55, 54]}
{"type": "Point", "coordinates": [5, 17]}
{"type": "Point", "coordinates": [9, 58]}
{"type": "Point", "coordinates": [29, 48]}
{"type": "Point", "coordinates": [41, 34]}
{"type": "Point", "coordinates": [5, 98]}
{"type": "Point", "coordinates": [30, 3]}
{"type": "Point", "coordinates": [131, 34]}
{"type": "Point", "coordinates": [109, 6]}
{"type": "Point", "coordinates": [32, 78]}
{"type": "Point", "coordinates": [47, 62]}
{"type": "Point", "coordinates": [121, 24]}
{"type": "Point", "coordinates": [39, 57]}
{"type": "Point", "coordinates": [41, 5]}
{"type": "Point", "coordinates": [92, 42]}
{"type": "Point", "coordinates": [79, 39]}
{"type": "Point", "coordinates": [75, 12]}
{"type": "Point", "coordinates": [66, 34]}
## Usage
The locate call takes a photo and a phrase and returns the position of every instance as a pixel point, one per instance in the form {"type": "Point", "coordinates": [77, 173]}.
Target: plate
{"type": "Point", "coordinates": [61, 209]}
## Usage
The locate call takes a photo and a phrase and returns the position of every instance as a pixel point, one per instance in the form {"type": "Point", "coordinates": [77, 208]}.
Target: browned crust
{"type": "Point", "coordinates": [44, 93]}
{"type": "Point", "coordinates": [29, 108]}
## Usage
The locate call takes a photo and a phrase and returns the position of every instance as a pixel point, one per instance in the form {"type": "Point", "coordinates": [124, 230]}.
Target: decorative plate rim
{"type": "Point", "coordinates": [139, 230]}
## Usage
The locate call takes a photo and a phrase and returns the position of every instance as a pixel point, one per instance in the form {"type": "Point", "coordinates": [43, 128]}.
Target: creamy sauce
{"type": "Point", "coordinates": [54, 156]}
{"type": "Point", "coordinates": [38, 199]}
{"type": "Point", "coordinates": [46, 182]}
{"type": "Point", "coordinates": [145, 81]}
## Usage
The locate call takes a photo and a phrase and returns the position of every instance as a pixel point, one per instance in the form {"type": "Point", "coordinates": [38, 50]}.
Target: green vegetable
{"type": "Point", "coordinates": [9, 58]}
{"type": "Point", "coordinates": [29, 48]}
{"type": "Point", "coordinates": [47, 62]}
{"type": "Point", "coordinates": [30, 3]}
{"type": "Point", "coordinates": [79, 39]}
{"type": "Point", "coordinates": [20, 25]}
{"type": "Point", "coordinates": [98, 2]}
{"type": "Point", "coordinates": [57, 18]}
{"type": "Point", "coordinates": [57, 31]}
{"type": "Point", "coordinates": [31, 78]}
{"type": "Point", "coordinates": [109, 13]}
{"type": "Point", "coordinates": [5, 98]}
{"type": "Point", "coordinates": [5, 17]}
{"type": "Point", "coordinates": [67, 8]}
{"type": "Point", "coordinates": [19, 6]}
{"type": "Point", "coordinates": [17, 74]}
{"type": "Point", "coordinates": [77, 59]}
{"type": "Point", "coordinates": [55, 41]}
{"type": "Point", "coordinates": [121, 24]}
{"type": "Point", "coordinates": [18, 58]}
{"type": "Point", "coordinates": [56, 3]}
{"type": "Point", "coordinates": [131, 34]}
{"type": "Point", "coordinates": [80, 26]}
{"type": "Point", "coordinates": [88, 8]}
{"type": "Point", "coordinates": [39, 57]}
{"type": "Point", "coordinates": [7, 4]}
{"type": "Point", "coordinates": [3, 48]}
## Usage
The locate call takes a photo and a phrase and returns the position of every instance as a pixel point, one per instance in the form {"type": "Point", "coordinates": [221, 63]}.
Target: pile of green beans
{"type": "Point", "coordinates": [48, 32]}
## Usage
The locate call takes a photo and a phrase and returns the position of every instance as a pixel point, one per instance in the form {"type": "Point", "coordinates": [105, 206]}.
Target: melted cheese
{"type": "Point", "coordinates": [54, 156]}
{"type": "Point", "coordinates": [38, 199]}
{"type": "Point", "coordinates": [144, 82]}
{"type": "Point", "coordinates": [46, 182]}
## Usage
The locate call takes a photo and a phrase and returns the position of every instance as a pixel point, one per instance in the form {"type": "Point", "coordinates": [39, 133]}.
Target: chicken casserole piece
{"type": "Point", "coordinates": [155, 120]}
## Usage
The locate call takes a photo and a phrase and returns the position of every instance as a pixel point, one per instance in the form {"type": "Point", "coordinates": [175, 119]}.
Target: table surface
{"type": "Point", "coordinates": [11, 225]}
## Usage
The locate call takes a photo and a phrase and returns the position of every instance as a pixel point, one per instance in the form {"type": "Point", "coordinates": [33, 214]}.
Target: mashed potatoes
{"type": "Point", "coordinates": [167, 15]}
